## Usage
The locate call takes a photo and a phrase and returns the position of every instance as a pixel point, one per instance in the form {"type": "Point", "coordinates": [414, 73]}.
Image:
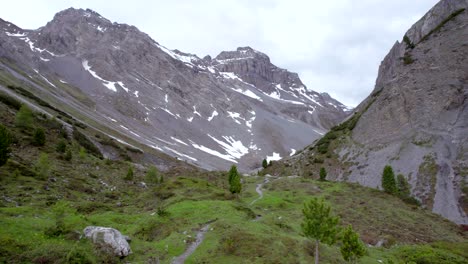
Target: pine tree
{"type": "Point", "coordinates": [319, 224]}
{"type": "Point", "coordinates": [235, 185]}
{"type": "Point", "coordinates": [24, 117]}
{"type": "Point", "coordinates": [68, 155]}
{"type": "Point", "coordinates": [232, 173]}
{"type": "Point", "coordinates": [264, 163]}
{"type": "Point", "coordinates": [388, 180]}
{"type": "Point", "coordinates": [323, 174]}
{"type": "Point", "coordinates": [352, 248]}
{"type": "Point", "coordinates": [39, 137]}
{"type": "Point", "coordinates": [404, 188]}
{"type": "Point", "coordinates": [5, 141]}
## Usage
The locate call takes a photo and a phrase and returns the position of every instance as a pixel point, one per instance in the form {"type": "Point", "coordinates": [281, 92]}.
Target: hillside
{"type": "Point", "coordinates": [47, 202]}
{"type": "Point", "coordinates": [415, 120]}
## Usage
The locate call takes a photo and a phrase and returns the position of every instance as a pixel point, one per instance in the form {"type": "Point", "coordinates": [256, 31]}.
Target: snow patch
{"type": "Point", "coordinates": [275, 156]}
{"type": "Point", "coordinates": [110, 85]}
{"type": "Point", "coordinates": [180, 154]}
{"type": "Point", "coordinates": [15, 34]}
{"type": "Point", "coordinates": [248, 93]}
{"type": "Point", "coordinates": [166, 99]}
{"type": "Point", "coordinates": [136, 93]}
{"type": "Point", "coordinates": [123, 86]}
{"type": "Point", "coordinates": [179, 141]}
{"type": "Point", "coordinates": [214, 152]}
{"type": "Point", "coordinates": [45, 79]}
{"type": "Point", "coordinates": [215, 113]}
{"type": "Point", "coordinates": [233, 147]}
{"type": "Point", "coordinates": [190, 119]}
{"type": "Point", "coordinates": [293, 151]}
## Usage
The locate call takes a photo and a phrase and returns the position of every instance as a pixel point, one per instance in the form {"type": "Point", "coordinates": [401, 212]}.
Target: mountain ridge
{"type": "Point", "coordinates": [173, 101]}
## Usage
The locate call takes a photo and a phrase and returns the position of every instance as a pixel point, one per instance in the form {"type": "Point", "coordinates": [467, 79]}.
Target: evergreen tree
{"type": "Point", "coordinates": [323, 174]}
{"type": "Point", "coordinates": [388, 180]}
{"type": "Point", "coordinates": [404, 188]}
{"type": "Point", "coordinates": [235, 185]}
{"type": "Point", "coordinates": [39, 137]}
{"type": "Point", "coordinates": [129, 175]}
{"type": "Point", "coordinates": [264, 163]}
{"type": "Point", "coordinates": [161, 179]}
{"type": "Point", "coordinates": [232, 173]}
{"type": "Point", "coordinates": [319, 224]}
{"type": "Point", "coordinates": [24, 117]}
{"type": "Point", "coordinates": [5, 141]}
{"type": "Point", "coordinates": [352, 248]}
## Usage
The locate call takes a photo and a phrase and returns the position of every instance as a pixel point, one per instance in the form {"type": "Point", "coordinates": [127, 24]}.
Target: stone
{"type": "Point", "coordinates": [109, 239]}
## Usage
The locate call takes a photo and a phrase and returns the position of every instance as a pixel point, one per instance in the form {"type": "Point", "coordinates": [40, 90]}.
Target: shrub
{"type": "Point", "coordinates": [43, 166]}
{"type": "Point", "coordinates": [323, 174]}
{"type": "Point", "coordinates": [82, 153]}
{"type": "Point", "coordinates": [68, 155]}
{"type": "Point", "coordinates": [129, 175]}
{"type": "Point", "coordinates": [61, 146]}
{"type": "Point", "coordinates": [407, 59]}
{"type": "Point", "coordinates": [5, 141]}
{"type": "Point", "coordinates": [152, 175]}
{"type": "Point", "coordinates": [24, 117]}
{"type": "Point", "coordinates": [39, 137]}
{"type": "Point", "coordinates": [264, 163]}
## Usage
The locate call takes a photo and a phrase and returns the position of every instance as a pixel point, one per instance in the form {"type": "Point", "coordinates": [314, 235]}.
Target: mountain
{"type": "Point", "coordinates": [415, 120]}
{"type": "Point", "coordinates": [212, 112]}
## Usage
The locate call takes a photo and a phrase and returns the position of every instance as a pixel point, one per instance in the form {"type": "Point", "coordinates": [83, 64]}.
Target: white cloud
{"type": "Point", "coordinates": [335, 46]}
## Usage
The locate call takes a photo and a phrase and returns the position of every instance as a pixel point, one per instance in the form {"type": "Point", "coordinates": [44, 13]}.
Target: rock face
{"type": "Point", "coordinates": [109, 238]}
{"type": "Point", "coordinates": [416, 119]}
{"type": "Point", "coordinates": [236, 108]}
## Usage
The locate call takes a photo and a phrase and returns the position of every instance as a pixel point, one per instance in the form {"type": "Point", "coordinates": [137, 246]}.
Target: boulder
{"type": "Point", "coordinates": [109, 239]}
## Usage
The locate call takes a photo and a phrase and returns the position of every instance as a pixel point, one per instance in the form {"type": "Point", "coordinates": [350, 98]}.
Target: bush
{"type": "Point", "coordinates": [129, 176]}
{"type": "Point", "coordinates": [39, 137]}
{"type": "Point", "coordinates": [68, 155]}
{"type": "Point", "coordinates": [61, 146]}
{"type": "Point", "coordinates": [152, 175]}
{"type": "Point", "coordinates": [323, 174]}
{"type": "Point", "coordinates": [5, 141]}
{"type": "Point", "coordinates": [24, 117]}
{"type": "Point", "coordinates": [43, 166]}
{"type": "Point", "coordinates": [264, 163]}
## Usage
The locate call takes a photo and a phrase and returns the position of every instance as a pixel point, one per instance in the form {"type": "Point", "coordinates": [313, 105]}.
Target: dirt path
{"type": "Point", "coordinates": [259, 190]}
{"type": "Point", "coordinates": [189, 251]}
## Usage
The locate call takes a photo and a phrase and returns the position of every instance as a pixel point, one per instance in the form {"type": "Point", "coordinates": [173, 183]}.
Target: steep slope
{"type": "Point", "coordinates": [416, 119]}
{"type": "Point", "coordinates": [236, 108]}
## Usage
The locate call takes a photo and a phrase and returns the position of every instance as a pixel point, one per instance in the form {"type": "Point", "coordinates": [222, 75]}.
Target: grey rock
{"type": "Point", "coordinates": [419, 115]}
{"type": "Point", "coordinates": [109, 238]}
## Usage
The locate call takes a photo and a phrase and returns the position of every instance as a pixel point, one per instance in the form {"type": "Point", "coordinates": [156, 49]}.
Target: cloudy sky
{"type": "Point", "coordinates": [335, 46]}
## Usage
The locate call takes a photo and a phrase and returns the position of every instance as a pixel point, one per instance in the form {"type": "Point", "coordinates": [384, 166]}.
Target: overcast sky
{"type": "Point", "coordinates": [336, 46]}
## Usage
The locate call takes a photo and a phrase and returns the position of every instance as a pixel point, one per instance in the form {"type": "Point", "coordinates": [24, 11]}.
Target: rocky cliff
{"type": "Point", "coordinates": [415, 120]}
{"type": "Point", "coordinates": [237, 108]}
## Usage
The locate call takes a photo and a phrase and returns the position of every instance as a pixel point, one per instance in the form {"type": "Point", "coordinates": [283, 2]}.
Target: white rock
{"type": "Point", "coordinates": [109, 237]}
